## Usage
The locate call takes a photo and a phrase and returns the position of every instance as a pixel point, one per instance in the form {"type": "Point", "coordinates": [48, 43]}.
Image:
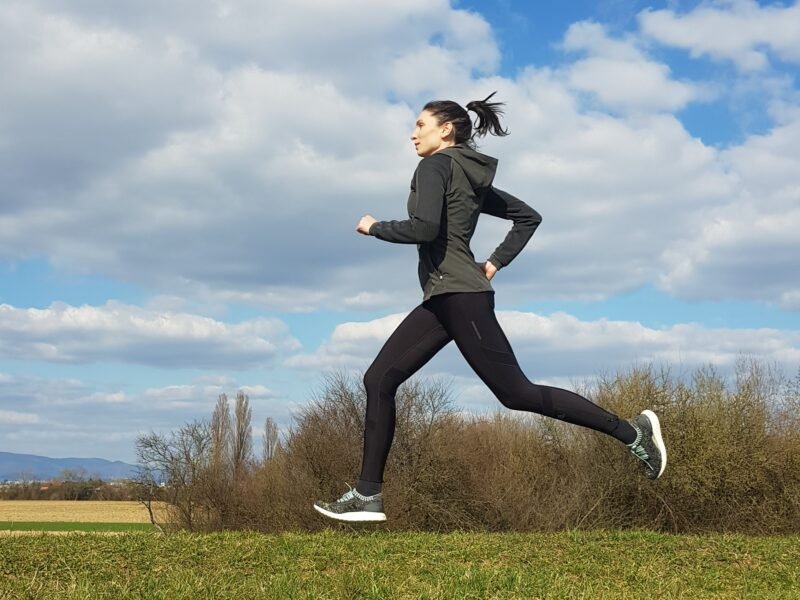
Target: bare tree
{"type": "Point", "coordinates": [147, 491]}
{"type": "Point", "coordinates": [271, 441]}
{"type": "Point", "coordinates": [181, 461]}
{"type": "Point", "coordinates": [242, 436]}
{"type": "Point", "coordinates": [221, 437]}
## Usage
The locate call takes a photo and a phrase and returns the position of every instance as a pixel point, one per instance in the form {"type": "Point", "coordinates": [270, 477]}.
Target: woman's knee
{"type": "Point", "coordinates": [369, 378]}
{"type": "Point", "coordinates": [380, 380]}
{"type": "Point", "coordinates": [528, 397]}
{"type": "Point", "coordinates": [512, 401]}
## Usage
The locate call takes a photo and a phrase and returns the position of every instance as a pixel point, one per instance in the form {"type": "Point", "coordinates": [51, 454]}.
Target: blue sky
{"type": "Point", "coordinates": [178, 210]}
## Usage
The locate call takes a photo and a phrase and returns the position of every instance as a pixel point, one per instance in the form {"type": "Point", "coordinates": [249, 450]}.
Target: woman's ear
{"type": "Point", "coordinates": [447, 130]}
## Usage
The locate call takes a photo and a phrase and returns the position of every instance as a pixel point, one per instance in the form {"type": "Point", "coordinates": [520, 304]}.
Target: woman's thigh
{"type": "Point", "coordinates": [470, 320]}
{"type": "Point", "coordinates": [410, 346]}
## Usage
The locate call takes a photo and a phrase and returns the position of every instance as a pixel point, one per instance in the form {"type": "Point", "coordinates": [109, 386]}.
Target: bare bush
{"type": "Point", "coordinates": [180, 460]}
{"type": "Point", "coordinates": [734, 460]}
{"type": "Point", "coordinates": [206, 469]}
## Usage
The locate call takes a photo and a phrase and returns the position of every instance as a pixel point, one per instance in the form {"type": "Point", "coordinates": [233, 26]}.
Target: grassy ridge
{"type": "Point", "coordinates": [354, 564]}
{"type": "Point", "coordinates": [68, 526]}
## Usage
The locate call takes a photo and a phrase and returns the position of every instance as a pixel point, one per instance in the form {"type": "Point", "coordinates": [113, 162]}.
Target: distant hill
{"type": "Point", "coordinates": [16, 466]}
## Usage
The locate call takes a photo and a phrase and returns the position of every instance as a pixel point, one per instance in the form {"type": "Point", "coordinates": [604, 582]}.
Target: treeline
{"type": "Point", "coordinates": [734, 460]}
{"type": "Point", "coordinates": [69, 489]}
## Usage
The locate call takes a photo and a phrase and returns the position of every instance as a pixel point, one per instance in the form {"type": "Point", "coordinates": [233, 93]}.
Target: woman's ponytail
{"type": "Point", "coordinates": [488, 121]}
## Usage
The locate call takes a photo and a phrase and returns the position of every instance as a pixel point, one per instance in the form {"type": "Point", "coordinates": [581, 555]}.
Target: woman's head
{"type": "Point", "coordinates": [443, 123]}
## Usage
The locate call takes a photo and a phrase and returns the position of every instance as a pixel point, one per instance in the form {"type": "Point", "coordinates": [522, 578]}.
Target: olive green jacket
{"type": "Point", "coordinates": [449, 190]}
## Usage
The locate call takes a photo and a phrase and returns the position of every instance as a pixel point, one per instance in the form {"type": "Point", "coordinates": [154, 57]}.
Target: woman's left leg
{"type": "Point", "coordinates": [470, 320]}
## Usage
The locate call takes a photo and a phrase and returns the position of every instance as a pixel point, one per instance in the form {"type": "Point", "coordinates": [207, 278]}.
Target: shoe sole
{"type": "Point", "coordinates": [352, 516]}
{"type": "Point", "coordinates": [659, 441]}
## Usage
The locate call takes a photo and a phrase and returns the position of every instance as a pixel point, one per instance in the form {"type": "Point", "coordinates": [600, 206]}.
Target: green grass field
{"type": "Point", "coordinates": [354, 564]}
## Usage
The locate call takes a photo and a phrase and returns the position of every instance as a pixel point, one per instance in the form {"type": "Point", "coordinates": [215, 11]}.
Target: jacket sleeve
{"type": "Point", "coordinates": [502, 204]}
{"type": "Point", "coordinates": [432, 175]}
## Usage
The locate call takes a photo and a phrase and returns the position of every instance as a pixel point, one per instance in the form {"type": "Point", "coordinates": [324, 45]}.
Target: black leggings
{"type": "Point", "coordinates": [469, 319]}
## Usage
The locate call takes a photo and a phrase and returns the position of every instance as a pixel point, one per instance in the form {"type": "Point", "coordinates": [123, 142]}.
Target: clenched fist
{"type": "Point", "coordinates": [365, 223]}
{"type": "Point", "coordinates": [489, 269]}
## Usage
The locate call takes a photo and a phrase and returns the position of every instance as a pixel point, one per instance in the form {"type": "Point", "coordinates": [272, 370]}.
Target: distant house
{"type": "Point", "coordinates": [48, 484]}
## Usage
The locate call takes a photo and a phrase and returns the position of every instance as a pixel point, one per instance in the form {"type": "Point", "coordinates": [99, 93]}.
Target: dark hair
{"type": "Point", "coordinates": [488, 121]}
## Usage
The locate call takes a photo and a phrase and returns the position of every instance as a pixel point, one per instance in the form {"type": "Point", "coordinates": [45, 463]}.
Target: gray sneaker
{"type": "Point", "coordinates": [649, 445]}
{"type": "Point", "coordinates": [352, 506]}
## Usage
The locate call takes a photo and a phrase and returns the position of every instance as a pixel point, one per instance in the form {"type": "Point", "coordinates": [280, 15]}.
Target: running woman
{"type": "Point", "coordinates": [451, 187]}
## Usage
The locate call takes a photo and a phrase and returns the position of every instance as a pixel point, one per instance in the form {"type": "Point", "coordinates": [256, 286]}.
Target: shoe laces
{"type": "Point", "coordinates": [640, 452]}
{"type": "Point", "coordinates": [350, 493]}
{"type": "Point", "coordinates": [354, 493]}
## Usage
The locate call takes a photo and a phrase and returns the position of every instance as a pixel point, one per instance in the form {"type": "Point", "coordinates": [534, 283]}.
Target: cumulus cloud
{"type": "Point", "coordinates": [621, 75]}
{"type": "Point", "coordinates": [750, 248]}
{"type": "Point", "coordinates": [227, 157]}
{"type": "Point", "coordinates": [214, 159]}
{"type": "Point", "coordinates": [120, 332]}
{"type": "Point", "coordinates": [349, 344]}
{"type": "Point", "coordinates": [58, 417]}
{"type": "Point", "coordinates": [559, 346]}
{"type": "Point", "coordinates": [11, 417]}
{"type": "Point", "coordinates": [189, 395]}
{"type": "Point", "coordinates": [741, 31]}
{"type": "Point", "coordinates": [297, 36]}
{"type": "Point", "coordinates": [226, 203]}
{"type": "Point", "coordinates": [212, 193]}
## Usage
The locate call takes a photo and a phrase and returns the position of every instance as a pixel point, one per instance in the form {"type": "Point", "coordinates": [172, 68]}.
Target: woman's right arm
{"type": "Point", "coordinates": [505, 206]}
{"type": "Point", "coordinates": [432, 174]}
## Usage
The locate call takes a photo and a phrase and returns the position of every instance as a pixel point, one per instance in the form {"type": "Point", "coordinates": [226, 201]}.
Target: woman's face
{"type": "Point", "coordinates": [428, 137]}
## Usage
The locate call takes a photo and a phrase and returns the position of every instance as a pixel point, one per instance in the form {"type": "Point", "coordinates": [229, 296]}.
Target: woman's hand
{"type": "Point", "coordinates": [489, 270]}
{"type": "Point", "coordinates": [365, 223]}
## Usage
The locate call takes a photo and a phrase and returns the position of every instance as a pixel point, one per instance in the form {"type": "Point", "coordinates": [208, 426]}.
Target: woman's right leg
{"type": "Point", "coordinates": [415, 341]}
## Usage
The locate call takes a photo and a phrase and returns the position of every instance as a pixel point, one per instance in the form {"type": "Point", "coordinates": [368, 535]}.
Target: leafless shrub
{"type": "Point", "coordinates": [734, 460]}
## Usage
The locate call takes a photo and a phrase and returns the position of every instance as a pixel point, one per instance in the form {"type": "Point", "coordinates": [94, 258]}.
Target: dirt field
{"type": "Point", "coordinates": [73, 511]}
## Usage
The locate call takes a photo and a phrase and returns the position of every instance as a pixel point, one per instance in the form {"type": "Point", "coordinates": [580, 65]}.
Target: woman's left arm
{"type": "Point", "coordinates": [499, 203]}
{"type": "Point", "coordinates": [433, 173]}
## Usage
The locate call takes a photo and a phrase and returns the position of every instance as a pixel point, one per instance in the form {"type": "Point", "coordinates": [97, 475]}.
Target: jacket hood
{"type": "Point", "coordinates": [478, 167]}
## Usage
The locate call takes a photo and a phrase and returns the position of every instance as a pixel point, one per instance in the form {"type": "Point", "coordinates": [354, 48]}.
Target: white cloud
{"type": "Point", "coordinates": [790, 300]}
{"type": "Point", "coordinates": [210, 160]}
{"type": "Point", "coordinates": [10, 417]}
{"type": "Point", "coordinates": [192, 395]}
{"type": "Point", "coordinates": [630, 84]}
{"type": "Point", "coordinates": [560, 346]}
{"type": "Point", "coordinates": [613, 192]}
{"type": "Point", "coordinates": [107, 398]}
{"type": "Point", "coordinates": [738, 30]}
{"type": "Point", "coordinates": [226, 157]}
{"type": "Point", "coordinates": [57, 417]}
{"type": "Point", "coordinates": [349, 344]}
{"type": "Point", "coordinates": [120, 332]}
{"type": "Point", "coordinates": [621, 75]}
{"type": "Point", "coordinates": [749, 248]}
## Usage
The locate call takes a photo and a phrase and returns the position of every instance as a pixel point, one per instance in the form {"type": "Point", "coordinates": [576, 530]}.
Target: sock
{"type": "Point", "coordinates": [368, 488]}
